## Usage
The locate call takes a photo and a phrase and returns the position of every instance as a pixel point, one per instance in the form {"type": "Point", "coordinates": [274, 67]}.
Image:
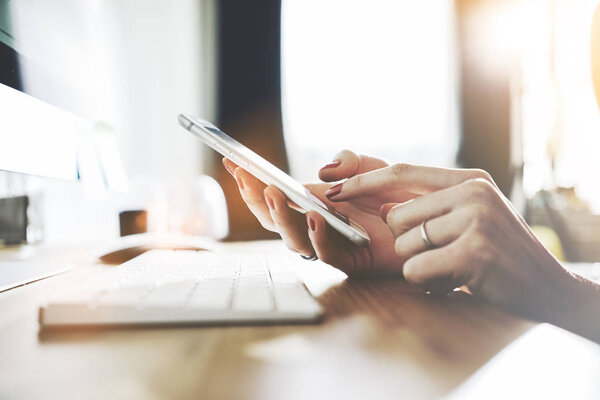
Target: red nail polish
{"type": "Point", "coordinates": [270, 202]}
{"type": "Point", "coordinates": [332, 164]}
{"type": "Point", "coordinates": [383, 215]}
{"type": "Point", "coordinates": [239, 181]}
{"type": "Point", "coordinates": [334, 190]}
{"type": "Point", "coordinates": [311, 223]}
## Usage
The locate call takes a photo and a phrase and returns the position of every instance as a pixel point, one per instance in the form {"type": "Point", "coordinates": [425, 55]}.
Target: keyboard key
{"type": "Point", "coordinates": [255, 298]}
{"type": "Point", "coordinates": [129, 296]}
{"type": "Point", "coordinates": [171, 295]}
{"type": "Point", "coordinates": [294, 299]}
{"type": "Point", "coordinates": [210, 298]}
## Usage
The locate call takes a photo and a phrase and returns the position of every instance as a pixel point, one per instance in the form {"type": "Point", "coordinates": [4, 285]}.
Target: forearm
{"type": "Point", "coordinates": [579, 309]}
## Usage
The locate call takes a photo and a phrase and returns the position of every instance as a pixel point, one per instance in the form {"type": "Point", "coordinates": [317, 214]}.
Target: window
{"type": "Point", "coordinates": [376, 77]}
{"type": "Point", "coordinates": [561, 122]}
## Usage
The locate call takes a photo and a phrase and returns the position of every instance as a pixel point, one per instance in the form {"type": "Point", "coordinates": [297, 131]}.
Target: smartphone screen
{"type": "Point", "coordinates": [271, 175]}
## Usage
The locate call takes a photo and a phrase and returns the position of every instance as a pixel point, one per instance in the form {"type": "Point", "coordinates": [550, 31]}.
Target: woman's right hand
{"type": "Point", "coordinates": [309, 234]}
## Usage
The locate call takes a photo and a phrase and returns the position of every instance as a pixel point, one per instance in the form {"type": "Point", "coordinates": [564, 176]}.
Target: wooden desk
{"type": "Point", "coordinates": [380, 339]}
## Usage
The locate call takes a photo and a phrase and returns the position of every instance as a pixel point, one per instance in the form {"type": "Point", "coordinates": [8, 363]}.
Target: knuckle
{"type": "Point", "coordinates": [479, 215]}
{"type": "Point", "coordinates": [486, 257]}
{"type": "Point", "coordinates": [477, 242]}
{"type": "Point", "coordinates": [481, 250]}
{"type": "Point", "coordinates": [479, 190]}
{"type": "Point", "coordinates": [355, 181]}
{"type": "Point", "coordinates": [478, 173]}
{"type": "Point", "coordinates": [400, 169]}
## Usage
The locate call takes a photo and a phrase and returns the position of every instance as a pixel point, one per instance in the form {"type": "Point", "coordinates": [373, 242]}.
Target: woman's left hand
{"type": "Point", "coordinates": [477, 239]}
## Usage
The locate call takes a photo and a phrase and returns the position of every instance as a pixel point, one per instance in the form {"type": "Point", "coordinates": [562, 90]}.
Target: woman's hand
{"type": "Point", "coordinates": [478, 240]}
{"type": "Point", "coordinates": [309, 234]}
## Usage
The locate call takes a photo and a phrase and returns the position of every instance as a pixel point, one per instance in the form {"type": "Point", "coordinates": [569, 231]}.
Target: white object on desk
{"type": "Point", "coordinates": [18, 273]}
{"type": "Point", "coordinates": [128, 247]}
{"type": "Point", "coordinates": [187, 287]}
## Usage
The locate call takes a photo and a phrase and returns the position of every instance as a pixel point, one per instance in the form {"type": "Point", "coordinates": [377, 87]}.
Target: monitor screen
{"type": "Point", "coordinates": [42, 116]}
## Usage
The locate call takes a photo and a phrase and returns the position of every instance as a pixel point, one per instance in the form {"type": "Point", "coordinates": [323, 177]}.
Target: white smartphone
{"type": "Point", "coordinates": [271, 175]}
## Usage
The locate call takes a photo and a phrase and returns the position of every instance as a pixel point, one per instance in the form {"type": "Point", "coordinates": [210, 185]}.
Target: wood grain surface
{"type": "Point", "coordinates": [379, 339]}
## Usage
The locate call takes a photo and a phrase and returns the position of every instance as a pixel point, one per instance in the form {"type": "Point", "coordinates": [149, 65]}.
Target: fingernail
{"type": "Point", "coordinates": [311, 223]}
{"type": "Point", "coordinates": [384, 211]}
{"type": "Point", "coordinates": [334, 190]}
{"type": "Point", "coordinates": [332, 164]}
{"type": "Point", "coordinates": [228, 168]}
{"type": "Point", "coordinates": [270, 202]}
{"type": "Point", "coordinates": [239, 180]}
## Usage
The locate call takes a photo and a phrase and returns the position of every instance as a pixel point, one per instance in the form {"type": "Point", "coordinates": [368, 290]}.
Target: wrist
{"type": "Point", "coordinates": [578, 306]}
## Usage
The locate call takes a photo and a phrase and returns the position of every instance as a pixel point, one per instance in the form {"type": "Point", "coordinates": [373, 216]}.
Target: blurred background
{"type": "Point", "coordinates": [500, 85]}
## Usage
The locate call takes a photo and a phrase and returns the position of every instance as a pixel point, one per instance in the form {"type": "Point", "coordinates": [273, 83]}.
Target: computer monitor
{"type": "Point", "coordinates": [48, 117]}
{"type": "Point", "coordinates": [42, 110]}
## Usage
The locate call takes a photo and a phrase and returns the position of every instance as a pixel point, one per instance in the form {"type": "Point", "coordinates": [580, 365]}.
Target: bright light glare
{"type": "Point", "coordinates": [560, 114]}
{"type": "Point", "coordinates": [37, 138]}
{"type": "Point", "coordinates": [376, 77]}
{"type": "Point", "coordinates": [545, 362]}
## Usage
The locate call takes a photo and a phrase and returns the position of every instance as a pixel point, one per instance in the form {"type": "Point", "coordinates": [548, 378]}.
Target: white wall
{"type": "Point", "coordinates": [159, 57]}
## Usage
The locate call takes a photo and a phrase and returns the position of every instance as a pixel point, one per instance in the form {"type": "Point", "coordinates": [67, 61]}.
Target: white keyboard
{"type": "Point", "coordinates": [187, 287]}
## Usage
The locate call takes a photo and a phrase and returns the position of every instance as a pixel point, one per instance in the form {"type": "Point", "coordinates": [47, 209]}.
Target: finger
{"type": "Point", "coordinates": [410, 214]}
{"type": "Point", "coordinates": [230, 166]}
{"type": "Point", "coordinates": [315, 188]}
{"type": "Point", "coordinates": [329, 250]}
{"type": "Point", "coordinates": [440, 270]}
{"type": "Point", "coordinates": [290, 224]}
{"type": "Point", "coordinates": [385, 209]}
{"type": "Point", "coordinates": [347, 163]}
{"type": "Point", "coordinates": [440, 231]}
{"type": "Point", "coordinates": [252, 191]}
{"type": "Point", "coordinates": [406, 177]}
{"type": "Point", "coordinates": [403, 217]}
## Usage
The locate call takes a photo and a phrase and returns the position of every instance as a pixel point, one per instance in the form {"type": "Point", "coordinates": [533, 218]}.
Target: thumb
{"type": "Point", "coordinates": [347, 164]}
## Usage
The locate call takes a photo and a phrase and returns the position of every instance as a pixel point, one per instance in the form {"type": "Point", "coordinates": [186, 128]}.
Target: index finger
{"type": "Point", "coordinates": [347, 164]}
{"type": "Point", "coordinates": [416, 179]}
